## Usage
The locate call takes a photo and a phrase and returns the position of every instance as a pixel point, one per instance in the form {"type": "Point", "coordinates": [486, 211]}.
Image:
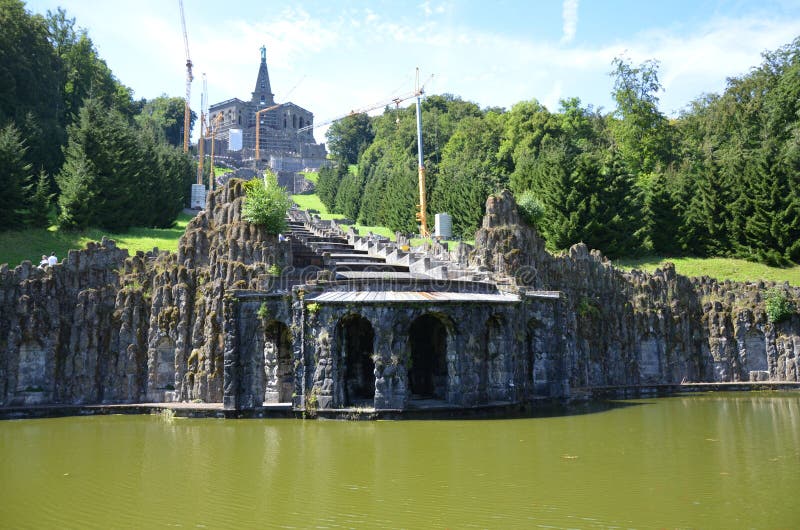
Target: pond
{"type": "Point", "coordinates": [702, 461]}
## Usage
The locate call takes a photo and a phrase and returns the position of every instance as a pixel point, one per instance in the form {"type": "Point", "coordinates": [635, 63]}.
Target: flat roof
{"type": "Point", "coordinates": [410, 296]}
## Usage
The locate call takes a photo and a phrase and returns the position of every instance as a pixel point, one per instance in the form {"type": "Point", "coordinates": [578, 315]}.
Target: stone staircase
{"type": "Point", "coordinates": [350, 256]}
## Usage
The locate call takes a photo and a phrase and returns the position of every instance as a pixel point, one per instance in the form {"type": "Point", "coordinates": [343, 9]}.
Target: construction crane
{"type": "Point", "coordinates": [364, 110]}
{"type": "Point", "coordinates": [202, 140]}
{"type": "Point", "coordinates": [214, 126]}
{"type": "Point", "coordinates": [187, 112]}
{"type": "Point", "coordinates": [421, 215]}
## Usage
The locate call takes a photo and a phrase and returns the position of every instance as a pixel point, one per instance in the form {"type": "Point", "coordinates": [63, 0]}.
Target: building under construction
{"type": "Point", "coordinates": [285, 133]}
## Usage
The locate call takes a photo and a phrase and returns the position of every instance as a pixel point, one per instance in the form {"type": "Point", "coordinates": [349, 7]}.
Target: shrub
{"type": "Point", "coordinates": [530, 208]}
{"type": "Point", "coordinates": [266, 203]}
{"type": "Point", "coordinates": [778, 306]}
{"type": "Point", "coordinates": [263, 311]}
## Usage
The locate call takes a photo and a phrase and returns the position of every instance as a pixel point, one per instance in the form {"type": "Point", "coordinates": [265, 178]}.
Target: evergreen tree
{"type": "Point", "coordinates": [39, 199]}
{"type": "Point", "coordinates": [103, 175]}
{"type": "Point", "coordinates": [14, 173]}
{"type": "Point", "coordinates": [328, 184]}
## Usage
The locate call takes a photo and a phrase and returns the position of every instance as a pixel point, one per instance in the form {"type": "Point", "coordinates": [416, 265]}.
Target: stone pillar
{"type": "Point", "coordinates": [231, 367]}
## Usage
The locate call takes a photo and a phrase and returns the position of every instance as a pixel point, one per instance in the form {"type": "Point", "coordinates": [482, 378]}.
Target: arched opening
{"type": "Point", "coordinates": [31, 372]}
{"type": "Point", "coordinates": [165, 364]}
{"type": "Point", "coordinates": [427, 375]}
{"type": "Point", "coordinates": [278, 365]}
{"type": "Point", "coordinates": [294, 121]}
{"type": "Point", "coordinates": [356, 340]}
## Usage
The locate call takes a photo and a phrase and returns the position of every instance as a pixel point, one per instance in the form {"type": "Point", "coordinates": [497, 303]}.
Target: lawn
{"type": "Point", "coordinates": [719, 268]}
{"type": "Point", "coordinates": [30, 244]}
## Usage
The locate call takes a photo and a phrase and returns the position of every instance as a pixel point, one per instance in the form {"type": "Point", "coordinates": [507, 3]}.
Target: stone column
{"type": "Point", "coordinates": [231, 367]}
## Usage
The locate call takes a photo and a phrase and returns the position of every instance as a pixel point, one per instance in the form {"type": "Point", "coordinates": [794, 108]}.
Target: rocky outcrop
{"type": "Point", "coordinates": [623, 328]}
{"type": "Point", "coordinates": [105, 327]}
{"type": "Point", "coordinates": [209, 323]}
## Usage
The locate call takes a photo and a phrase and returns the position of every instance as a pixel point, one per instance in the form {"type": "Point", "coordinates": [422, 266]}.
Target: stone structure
{"type": "Point", "coordinates": [286, 137]}
{"type": "Point", "coordinates": [331, 320]}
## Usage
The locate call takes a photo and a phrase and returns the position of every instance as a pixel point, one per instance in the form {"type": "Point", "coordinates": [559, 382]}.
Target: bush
{"type": "Point", "coordinates": [266, 204]}
{"type": "Point", "coordinates": [530, 208]}
{"type": "Point", "coordinates": [778, 306]}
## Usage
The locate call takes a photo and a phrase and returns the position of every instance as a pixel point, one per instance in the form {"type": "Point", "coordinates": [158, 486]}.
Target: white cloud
{"type": "Point", "coordinates": [570, 17]}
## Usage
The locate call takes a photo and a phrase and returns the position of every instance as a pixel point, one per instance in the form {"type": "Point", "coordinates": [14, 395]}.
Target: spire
{"type": "Point", "coordinates": [262, 95]}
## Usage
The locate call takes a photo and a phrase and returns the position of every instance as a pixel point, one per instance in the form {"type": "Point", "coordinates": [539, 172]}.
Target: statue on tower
{"type": "Point", "coordinates": [263, 53]}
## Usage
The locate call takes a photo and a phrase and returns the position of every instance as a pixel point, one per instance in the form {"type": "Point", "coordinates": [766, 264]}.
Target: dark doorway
{"type": "Point", "coordinates": [278, 365]}
{"type": "Point", "coordinates": [356, 344]}
{"type": "Point", "coordinates": [427, 376]}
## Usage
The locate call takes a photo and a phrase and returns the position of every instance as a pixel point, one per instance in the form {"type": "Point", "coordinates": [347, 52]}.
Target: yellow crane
{"type": "Point", "coordinates": [202, 140]}
{"type": "Point", "coordinates": [187, 112]}
{"type": "Point", "coordinates": [421, 215]}
{"type": "Point", "coordinates": [214, 126]}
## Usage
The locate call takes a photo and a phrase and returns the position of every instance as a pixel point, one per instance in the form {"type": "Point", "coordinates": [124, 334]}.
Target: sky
{"type": "Point", "coordinates": [335, 56]}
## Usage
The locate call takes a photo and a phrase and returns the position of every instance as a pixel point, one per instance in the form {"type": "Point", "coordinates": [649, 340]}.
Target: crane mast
{"type": "Point", "coordinates": [422, 215]}
{"type": "Point", "coordinates": [202, 140]}
{"type": "Point", "coordinates": [187, 112]}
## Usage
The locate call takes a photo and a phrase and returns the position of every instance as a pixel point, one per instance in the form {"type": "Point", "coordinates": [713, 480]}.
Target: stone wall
{"type": "Point", "coordinates": [102, 327]}
{"type": "Point", "coordinates": [624, 328]}
{"type": "Point", "coordinates": [208, 323]}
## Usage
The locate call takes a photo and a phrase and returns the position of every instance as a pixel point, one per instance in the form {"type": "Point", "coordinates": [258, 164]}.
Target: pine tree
{"type": "Point", "coordinates": [14, 172]}
{"type": "Point", "coordinates": [39, 199]}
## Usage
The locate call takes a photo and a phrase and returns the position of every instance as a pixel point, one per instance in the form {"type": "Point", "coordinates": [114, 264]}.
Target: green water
{"type": "Point", "coordinates": [713, 461]}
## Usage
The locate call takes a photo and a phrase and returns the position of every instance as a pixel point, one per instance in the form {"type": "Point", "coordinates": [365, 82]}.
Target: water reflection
{"type": "Point", "coordinates": [699, 461]}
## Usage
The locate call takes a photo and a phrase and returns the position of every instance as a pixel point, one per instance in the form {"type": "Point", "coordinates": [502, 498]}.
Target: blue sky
{"type": "Point", "coordinates": [345, 55]}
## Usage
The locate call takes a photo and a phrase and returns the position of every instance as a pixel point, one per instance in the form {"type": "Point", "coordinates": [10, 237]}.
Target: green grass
{"type": "Point", "coordinates": [719, 268]}
{"type": "Point", "coordinates": [17, 246]}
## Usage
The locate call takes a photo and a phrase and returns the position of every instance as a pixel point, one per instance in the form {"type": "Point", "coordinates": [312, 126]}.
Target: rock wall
{"type": "Point", "coordinates": [623, 328]}
{"type": "Point", "coordinates": [103, 327]}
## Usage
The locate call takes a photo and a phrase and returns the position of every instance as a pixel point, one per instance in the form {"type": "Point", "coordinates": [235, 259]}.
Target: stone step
{"type": "Point", "coordinates": [355, 256]}
{"type": "Point", "coordinates": [357, 266]}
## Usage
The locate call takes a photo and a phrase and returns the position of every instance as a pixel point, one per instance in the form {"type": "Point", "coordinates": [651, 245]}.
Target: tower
{"type": "Point", "coordinates": [262, 95]}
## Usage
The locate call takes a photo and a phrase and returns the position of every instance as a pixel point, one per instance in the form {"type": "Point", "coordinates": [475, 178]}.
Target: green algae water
{"type": "Point", "coordinates": [705, 461]}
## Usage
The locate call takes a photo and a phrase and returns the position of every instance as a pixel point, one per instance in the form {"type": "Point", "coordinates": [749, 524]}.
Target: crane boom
{"type": "Point", "coordinates": [369, 108]}
{"type": "Point", "coordinates": [187, 111]}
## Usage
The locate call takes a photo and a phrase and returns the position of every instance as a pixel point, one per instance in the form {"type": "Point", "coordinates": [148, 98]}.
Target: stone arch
{"type": "Point", "coordinates": [278, 363]}
{"type": "Point", "coordinates": [355, 338]}
{"type": "Point", "coordinates": [31, 374]}
{"type": "Point", "coordinates": [165, 364]}
{"type": "Point", "coordinates": [429, 341]}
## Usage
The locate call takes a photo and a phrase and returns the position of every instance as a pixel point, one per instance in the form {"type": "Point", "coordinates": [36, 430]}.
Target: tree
{"type": "Point", "coordinates": [349, 137]}
{"type": "Point", "coordinates": [328, 184]}
{"type": "Point", "coordinates": [641, 131]}
{"type": "Point", "coordinates": [102, 178]}
{"type": "Point", "coordinates": [469, 172]}
{"type": "Point", "coordinates": [266, 203]}
{"type": "Point", "coordinates": [14, 172]}
{"type": "Point", "coordinates": [163, 116]}
{"type": "Point", "coordinates": [29, 84]}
